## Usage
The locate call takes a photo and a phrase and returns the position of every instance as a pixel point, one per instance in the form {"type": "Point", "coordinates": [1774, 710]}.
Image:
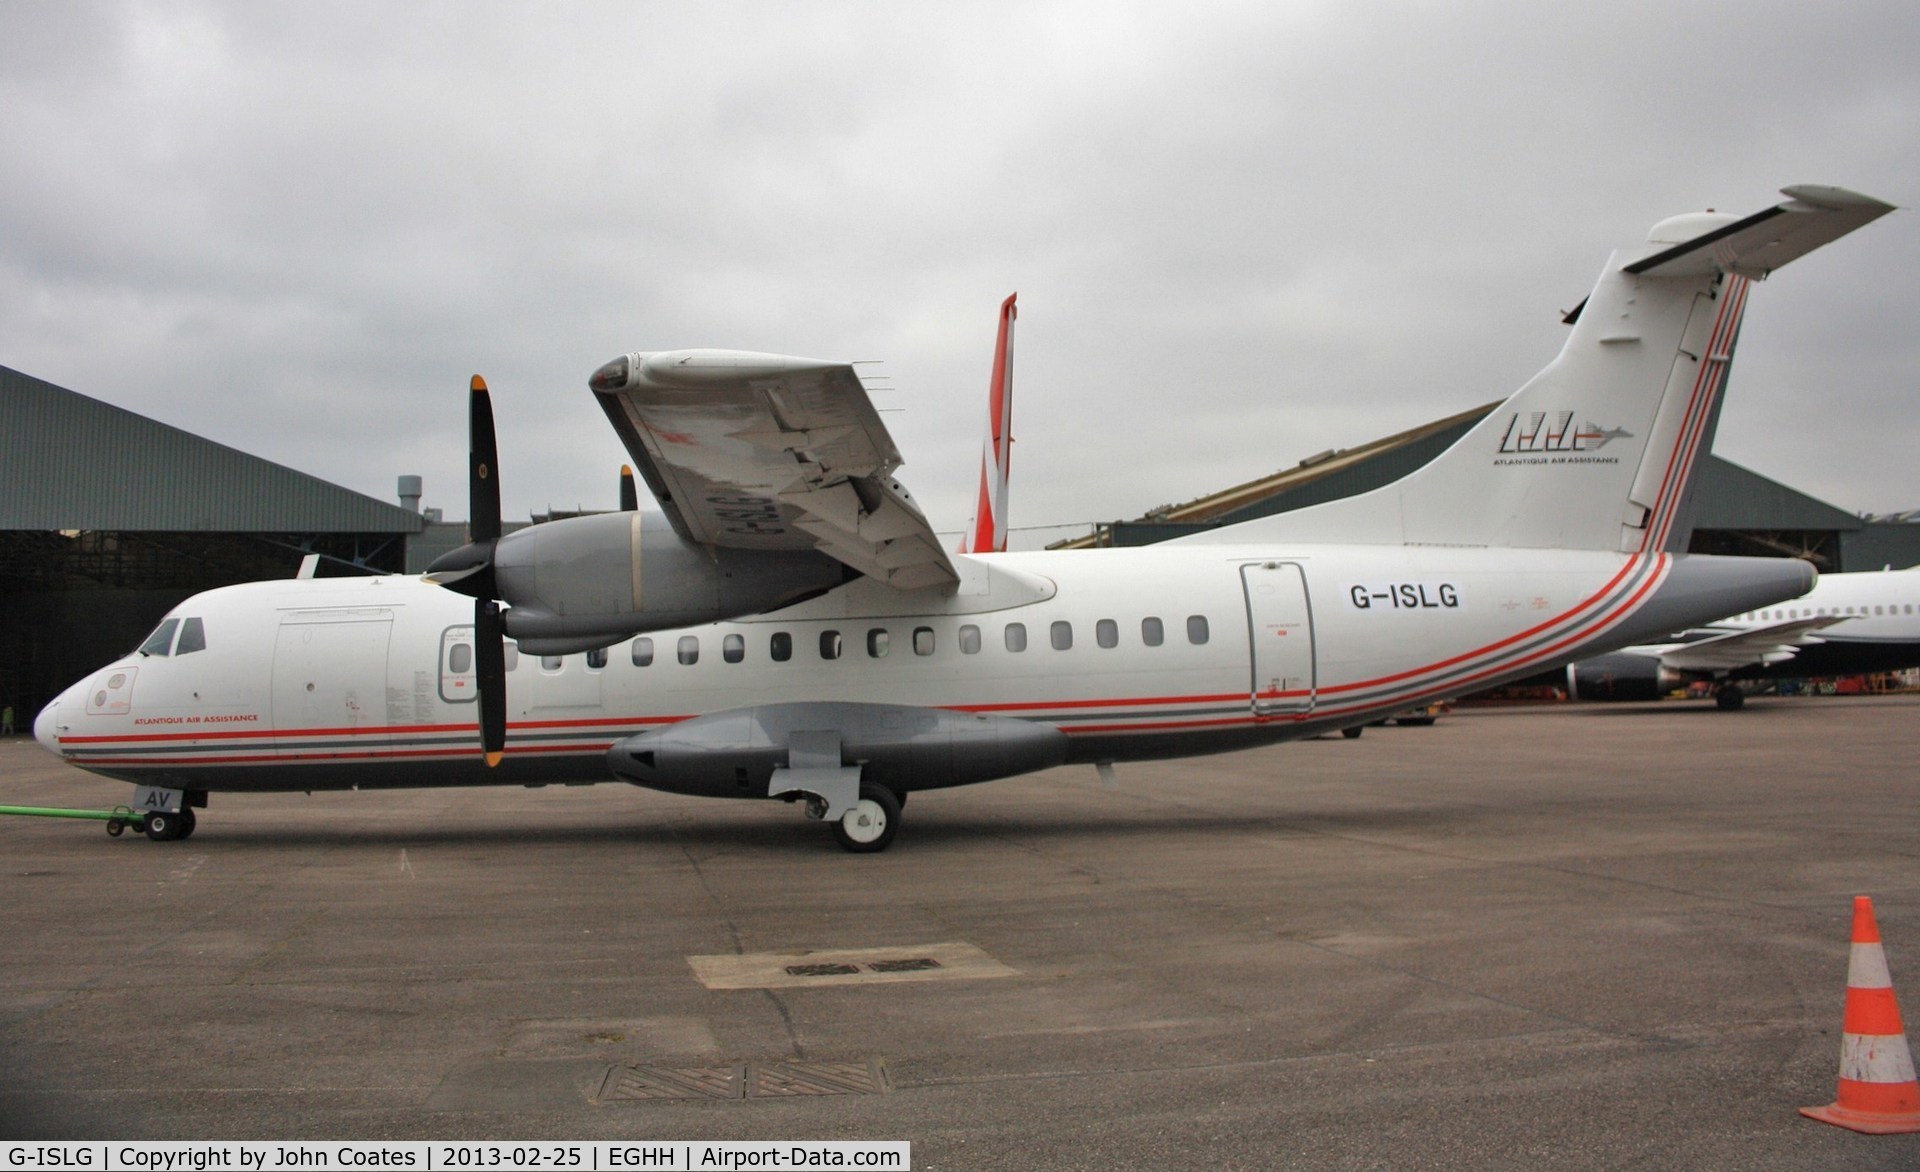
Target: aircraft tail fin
{"type": "Point", "coordinates": [988, 533]}
{"type": "Point", "coordinates": [1598, 450]}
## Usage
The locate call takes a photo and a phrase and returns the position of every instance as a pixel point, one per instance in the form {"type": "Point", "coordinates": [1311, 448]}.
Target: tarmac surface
{"type": "Point", "coordinates": [1571, 937]}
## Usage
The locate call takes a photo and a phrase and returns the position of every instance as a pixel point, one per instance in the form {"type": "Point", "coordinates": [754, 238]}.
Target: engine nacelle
{"type": "Point", "coordinates": [734, 753]}
{"type": "Point", "coordinates": [585, 582]}
{"type": "Point", "coordinates": [1622, 676]}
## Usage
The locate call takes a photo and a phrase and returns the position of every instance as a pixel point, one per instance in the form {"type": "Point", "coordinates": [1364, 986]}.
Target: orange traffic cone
{"type": "Point", "coordinates": [1878, 1093]}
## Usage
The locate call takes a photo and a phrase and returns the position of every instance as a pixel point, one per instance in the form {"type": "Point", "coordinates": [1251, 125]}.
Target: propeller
{"type": "Point", "coordinates": [469, 570]}
{"type": "Point", "coordinates": [629, 494]}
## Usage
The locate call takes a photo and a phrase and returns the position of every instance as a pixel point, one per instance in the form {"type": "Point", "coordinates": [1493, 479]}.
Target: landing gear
{"type": "Point", "coordinates": [872, 822]}
{"type": "Point", "coordinates": [166, 826]}
{"type": "Point", "coordinates": [1728, 697]}
{"type": "Point", "coordinates": [1352, 732]}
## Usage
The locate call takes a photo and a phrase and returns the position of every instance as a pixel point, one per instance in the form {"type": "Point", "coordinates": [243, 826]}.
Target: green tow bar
{"type": "Point", "coordinates": [117, 819]}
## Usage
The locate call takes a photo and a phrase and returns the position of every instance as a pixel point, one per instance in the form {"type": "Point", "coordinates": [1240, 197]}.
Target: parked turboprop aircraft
{"type": "Point", "coordinates": [790, 627]}
{"type": "Point", "coordinates": [1848, 624]}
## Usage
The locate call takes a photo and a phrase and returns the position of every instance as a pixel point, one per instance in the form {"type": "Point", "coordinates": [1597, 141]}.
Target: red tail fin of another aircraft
{"type": "Point", "coordinates": [989, 532]}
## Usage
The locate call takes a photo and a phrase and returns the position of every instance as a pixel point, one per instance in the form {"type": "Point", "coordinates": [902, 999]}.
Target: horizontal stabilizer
{"type": "Point", "coordinates": [1760, 243]}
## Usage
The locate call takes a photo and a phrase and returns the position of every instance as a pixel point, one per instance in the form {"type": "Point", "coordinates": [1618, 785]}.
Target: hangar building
{"type": "Point", "coordinates": [108, 519]}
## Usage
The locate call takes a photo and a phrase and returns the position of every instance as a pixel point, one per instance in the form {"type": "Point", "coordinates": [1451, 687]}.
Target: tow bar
{"type": "Point", "coordinates": [117, 819]}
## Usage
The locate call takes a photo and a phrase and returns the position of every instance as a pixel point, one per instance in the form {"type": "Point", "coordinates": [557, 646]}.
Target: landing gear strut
{"type": "Point", "coordinates": [872, 822]}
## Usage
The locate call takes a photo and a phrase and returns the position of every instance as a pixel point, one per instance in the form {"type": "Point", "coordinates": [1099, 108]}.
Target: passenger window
{"type": "Point", "coordinates": [829, 644]}
{"type": "Point", "coordinates": [1106, 632]}
{"type": "Point", "coordinates": [877, 640]}
{"type": "Point", "coordinates": [642, 651]}
{"type": "Point", "coordinates": [161, 641]}
{"type": "Point", "coordinates": [551, 663]}
{"type": "Point", "coordinates": [597, 658]}
{"type": "Point", "coordinates": [1016, 636]}
{"type": "Point", "coordinates": [780, 647]}
{"type": "Point", "coordinates": [733, 648]}
{"type": "Point", "coordinates": [969, 640]}
{"type": "Point", "coordinates": [193, 637]}
{"type": "Point", "coordinates": [923, 640]}
{"type": "Point", "coordinates": [689, 649]}
{"type": "Point", "coordinates": [1152, 632]}
{"type": "Point", "coordinates": [460, 659]}
{"type": "Point", "coordinates": [1061, 633]}
{"type": "Point", "coordinates": [1196, 629]}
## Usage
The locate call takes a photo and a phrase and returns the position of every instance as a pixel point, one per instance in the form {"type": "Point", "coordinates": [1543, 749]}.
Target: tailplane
{"type": "Point", "coordinates": [988, 533]}
{"type": "Point", "coordinates": [1598, 450]}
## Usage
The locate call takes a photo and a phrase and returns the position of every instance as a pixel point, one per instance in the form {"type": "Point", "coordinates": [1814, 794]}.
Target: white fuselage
{"type": "Point", "coordinates": [1170, 650]}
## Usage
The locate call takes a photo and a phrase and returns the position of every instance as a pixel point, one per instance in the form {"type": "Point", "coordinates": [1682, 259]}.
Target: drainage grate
{"type": "Point", "coordinates": [748, 1080]}
{"type": "Point", "coordinates": [912, 964]}
{"type": "Point", "coordinates": [786, 1079]}
{"type": "Point", "coordinates": [628, 1083]}
{"type": "Point", "coordinates": [822, 970]}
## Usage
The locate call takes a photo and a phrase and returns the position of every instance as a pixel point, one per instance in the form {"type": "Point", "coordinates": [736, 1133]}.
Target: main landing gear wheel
{"type": "Point", "coordinates": [1352, 732]}
{"type": "Point", "coordinates": [871, 824]}
{"type": "Point", "coordinates": [166, 826]}
{"type": "Point", "coordinates": [1729, 697]}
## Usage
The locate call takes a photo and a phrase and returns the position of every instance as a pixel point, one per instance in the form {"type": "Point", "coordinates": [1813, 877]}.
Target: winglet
{"type": "Point", "coordinates": [989, 533]}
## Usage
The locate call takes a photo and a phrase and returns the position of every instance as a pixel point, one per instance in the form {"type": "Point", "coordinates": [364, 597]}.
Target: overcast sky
{"type": "Point", "coordinates": [1241, 233]}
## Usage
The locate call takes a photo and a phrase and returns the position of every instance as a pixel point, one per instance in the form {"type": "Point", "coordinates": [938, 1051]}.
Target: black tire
{"type": "Point", "coordinates": [1353, 732]}
{"type": "Point", "coordinates": [164, 826]}
{"type": "Point", "coordinates": [187, 821]}
{"type": "Point", "coordinates": [1730, 699]}
{"type": "Point", "coordinates": [870, 826]}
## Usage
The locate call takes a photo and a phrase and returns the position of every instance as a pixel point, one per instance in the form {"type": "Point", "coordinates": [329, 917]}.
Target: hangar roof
{"type": "Point", "coordinates": [71, 462]}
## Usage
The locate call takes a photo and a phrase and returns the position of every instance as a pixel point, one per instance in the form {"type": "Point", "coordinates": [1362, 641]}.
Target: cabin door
{"type": "Point", "coordinates": [1280, 624]}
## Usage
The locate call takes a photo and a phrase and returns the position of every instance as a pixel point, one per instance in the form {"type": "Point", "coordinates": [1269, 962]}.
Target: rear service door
{"type": "Point", "coordinates": [1280, 624]}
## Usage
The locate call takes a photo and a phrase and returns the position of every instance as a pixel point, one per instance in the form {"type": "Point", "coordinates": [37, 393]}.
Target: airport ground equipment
{"type": "Point", "coordinates": [117, 819]}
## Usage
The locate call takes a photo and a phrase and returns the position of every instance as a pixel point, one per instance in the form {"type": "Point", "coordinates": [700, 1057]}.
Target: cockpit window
{"type": "Point", "coordinates": [193, 637]}
{"type": "Point", "coordinates": [161, 641]}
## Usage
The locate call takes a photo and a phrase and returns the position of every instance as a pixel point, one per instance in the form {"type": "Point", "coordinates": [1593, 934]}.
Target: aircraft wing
{"type": "Point", "coordinates": [762, 451]}
{"type": "Point", "coordinates": [1768, 644]}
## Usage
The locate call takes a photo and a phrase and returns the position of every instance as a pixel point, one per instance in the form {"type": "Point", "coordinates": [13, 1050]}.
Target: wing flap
{"type": "Point", "coordinates": [764, 451]}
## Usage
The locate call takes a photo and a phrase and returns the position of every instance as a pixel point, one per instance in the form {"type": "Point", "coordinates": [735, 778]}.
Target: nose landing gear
{"type": "Point", "coordinates": [167, 826]}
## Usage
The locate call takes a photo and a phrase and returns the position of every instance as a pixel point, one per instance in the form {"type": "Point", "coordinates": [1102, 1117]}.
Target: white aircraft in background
{"type": "Point", "coordinates": [790, 627]}
{"type": "Point", "coordinates": [1848, 624]}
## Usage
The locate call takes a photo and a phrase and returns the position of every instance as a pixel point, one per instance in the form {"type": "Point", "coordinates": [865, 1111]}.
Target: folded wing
{"type": "Point", "coordinates": [763, 451]}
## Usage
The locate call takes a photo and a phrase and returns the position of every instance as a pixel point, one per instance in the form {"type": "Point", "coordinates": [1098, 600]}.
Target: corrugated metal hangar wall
{"type": "Point", "coordinates": [108, 519]}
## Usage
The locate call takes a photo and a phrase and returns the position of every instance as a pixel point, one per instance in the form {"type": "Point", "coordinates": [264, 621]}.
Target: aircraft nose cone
{"type": "Point", "coordinates": [46, 726]}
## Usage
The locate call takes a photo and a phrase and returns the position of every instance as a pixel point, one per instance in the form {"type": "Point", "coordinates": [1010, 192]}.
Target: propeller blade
{"type": "Point", "coordinates": [629, 495]}
{"type": "Point", "coordinates": [483, 483]}
{"type": "Point", "coordinates": [490, 665]}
